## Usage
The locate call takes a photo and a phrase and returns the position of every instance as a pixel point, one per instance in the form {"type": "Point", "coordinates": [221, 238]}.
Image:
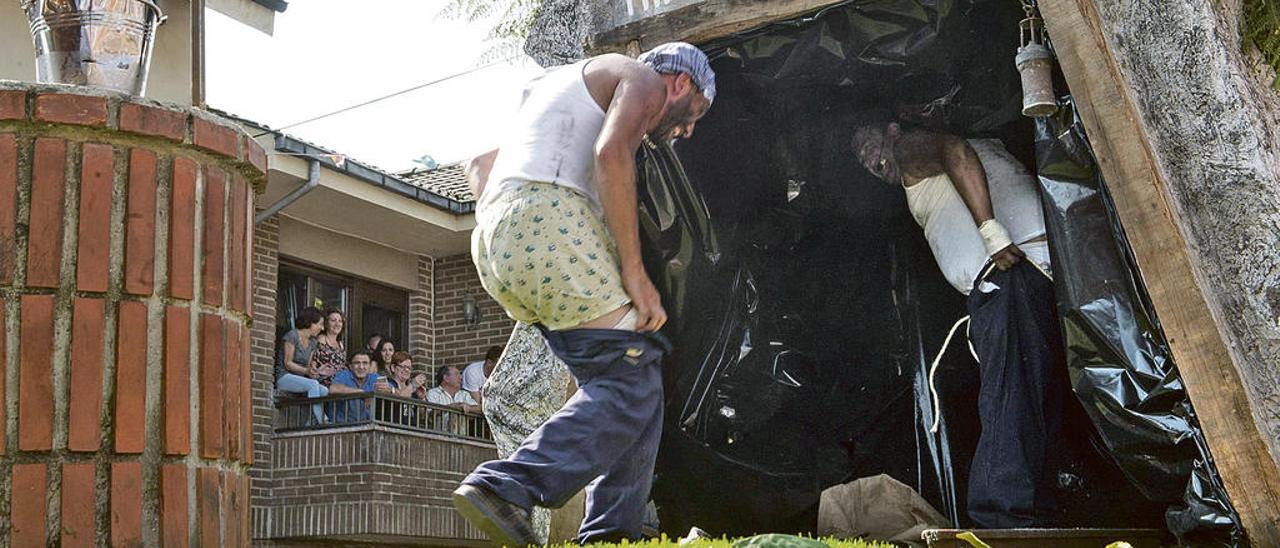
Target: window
{"type": "Point", "coordinates": [369, 307]}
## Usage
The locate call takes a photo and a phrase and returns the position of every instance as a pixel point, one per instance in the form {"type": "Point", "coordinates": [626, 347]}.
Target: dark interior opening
{"type": "Point", "coordinates": [804, 333]}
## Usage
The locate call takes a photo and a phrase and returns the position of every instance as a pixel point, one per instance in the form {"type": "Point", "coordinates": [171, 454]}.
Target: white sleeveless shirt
{"type": "Point", "coordinates": [949, 227]}
{"type": "Point", "coordinates": [552, 138]}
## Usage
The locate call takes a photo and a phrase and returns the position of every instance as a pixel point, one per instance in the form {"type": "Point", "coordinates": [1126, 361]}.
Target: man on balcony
{"type": "Point", "coordinates": [449, 393]}
{"type": "Point", "coordinates": [557, 244]}
{"type": "Point", "coordinates": [357, 378]}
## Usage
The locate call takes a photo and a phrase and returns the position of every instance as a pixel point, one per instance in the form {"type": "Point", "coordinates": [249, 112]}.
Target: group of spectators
{"type": "Point", "coordinates": [312, 360]}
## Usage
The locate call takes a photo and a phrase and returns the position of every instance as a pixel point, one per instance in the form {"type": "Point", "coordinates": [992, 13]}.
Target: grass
{"type": "Point", "coordinates": [723, 542]}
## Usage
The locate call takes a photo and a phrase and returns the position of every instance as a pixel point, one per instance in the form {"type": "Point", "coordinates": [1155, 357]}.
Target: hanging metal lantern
{"type": "Point", "coordinates": [1035, 64]}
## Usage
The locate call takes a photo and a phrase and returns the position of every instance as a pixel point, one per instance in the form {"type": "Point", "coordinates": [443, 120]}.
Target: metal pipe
{"type": "Point", "coordinates": [313, 180]}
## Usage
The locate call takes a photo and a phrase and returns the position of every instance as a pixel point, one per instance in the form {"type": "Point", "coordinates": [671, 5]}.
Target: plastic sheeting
{"type": "Point", "coordinates": [805, 305]}
{"type": "Point", "coordinates": [1117, 357]}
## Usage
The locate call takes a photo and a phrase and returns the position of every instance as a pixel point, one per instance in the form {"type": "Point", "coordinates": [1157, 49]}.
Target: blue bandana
{"type": "Point", "coordinates": [676, 57]}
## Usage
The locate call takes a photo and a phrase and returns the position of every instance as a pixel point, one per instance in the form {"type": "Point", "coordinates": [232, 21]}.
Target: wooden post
{"type": "Point", "coordinates": [1119, 119]}
{"type": "Point", "coordinates": [699, 21]}
{"type": "Point", "coordinates": [197, 54]}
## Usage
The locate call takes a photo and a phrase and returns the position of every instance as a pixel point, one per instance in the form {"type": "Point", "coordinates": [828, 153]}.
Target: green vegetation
{"type": "Point", "coordinates": [760, 542]}
{"type": "Point", "coordinates": [1262, 29]}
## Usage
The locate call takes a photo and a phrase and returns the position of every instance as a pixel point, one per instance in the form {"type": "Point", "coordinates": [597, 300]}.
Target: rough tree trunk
{"type": "Point", "coordinates": [1185, 129]}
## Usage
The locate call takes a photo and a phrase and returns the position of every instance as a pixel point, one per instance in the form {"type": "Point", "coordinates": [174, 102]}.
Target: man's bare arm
{"type": "Point", "coordinates": [964, 168]}
{"type": "Point", "coordinates": [337, 388]}
{"type": "Point", "coordinates": [477, 171]}
{"type": "Point", "coordinates": [637, 102]}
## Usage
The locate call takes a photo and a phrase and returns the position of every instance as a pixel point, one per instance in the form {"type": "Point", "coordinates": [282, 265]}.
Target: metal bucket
{"type": "Point", "coordinates": [102, 43]}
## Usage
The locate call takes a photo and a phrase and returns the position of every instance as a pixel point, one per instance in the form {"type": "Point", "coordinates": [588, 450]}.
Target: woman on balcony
{"type": "Point", "coordinates": [382, 355]}
{"type": "Point", "coordinates": [404, 382]}
{"type": "Point", "coordinates": [331, 354]}
{"type": "Point", "coordinates": [296, 369]}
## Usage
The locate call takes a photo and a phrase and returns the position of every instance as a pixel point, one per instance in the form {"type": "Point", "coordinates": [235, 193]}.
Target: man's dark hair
{"type": "Point", "coordinates": [441, 372]}
{"type": "Point", "coordinates": [361, 352]}
{"type": "Point", "coordinates": [493, 353]}
{"type": "Point", "coordinates": [307, 317]}
{"type": "Point", "coordinates": [374, 335]}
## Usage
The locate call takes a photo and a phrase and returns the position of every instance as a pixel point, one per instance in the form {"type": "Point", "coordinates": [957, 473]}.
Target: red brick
{"type": "Point", "coordinates": [78, 483]}
{"type": "Point", "coordinates": [13, 105]}
{"type": "Point", "coordinates": [131, 376]}
{"type": "Point", "coordinates": [209, 495]}
{"type": "Point", "coordinates": [214, 137]}
{"type": "Point", "coordinates": [237, 253]}
{"type": "Point", "coordinates": [27, 505]}
{"type": "Point", "coordinates": [93, 245]}
{"type": "Point", "coordinates": [87, 322]}
{"type": "Point", "coordinates": [147, 120]}
{"type": "Point", "coordinates": [231, 388]}
{"type": "Point", "coordinates": [35, 383]}
{"type": "Point", "coordinates": [8, 205]}
{"type": "Point", "coordinates": [244, 518]}
{"type": "Point", "coordinates": [177, 381]}
{"type": "Point", "coordinates": [230, 507]}
{"type": "Point", "coordinates": [246, 399]}
{"type": "Point", "coordinates": [126, 504]}
{"type": "Point", "coordinates": [182, 220]}
{"type": "Point", "coordinates": [211, 364]}
{"type": "Point", "coordinates": [44, 241]}
{"type": "Point", "coordinates": [255, 154]}
{"type": "Point", "coordinates": [3, 352]}
{"type": "Point", "coordinates": [140, 223]}
{"type": "Point", "coordinates": [173, 513]}
{"type": "Point", "coordinates": [214, 219]}
{"type": "Point", "coordinates": [65, 108]}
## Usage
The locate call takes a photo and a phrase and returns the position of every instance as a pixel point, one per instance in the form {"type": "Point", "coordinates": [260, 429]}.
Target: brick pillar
{"type": "Point", "coordinates": [266, 269]}
{"type": "Point", "coordinates": [124, 234]}
{"type": "Point", "coordinates": [422, 337]}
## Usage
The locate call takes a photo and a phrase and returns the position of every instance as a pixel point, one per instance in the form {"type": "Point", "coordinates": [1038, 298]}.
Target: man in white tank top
{"type": "Point", "coordinates": [557, 244]}
{"type": "Point", "coordinates": [981, 215]}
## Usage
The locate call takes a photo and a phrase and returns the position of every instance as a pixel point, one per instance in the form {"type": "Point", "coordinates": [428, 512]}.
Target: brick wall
{"type": "Point", "coordinates": [369, 483]}
{"type": "Point", "coordinates": [421, 333]}
{"type": "Point", "coordinates": [456, 341]}
{"type": "Point", "coordinates": [266, 268]}
{"type": "Point", "coordinates": [124, 307]}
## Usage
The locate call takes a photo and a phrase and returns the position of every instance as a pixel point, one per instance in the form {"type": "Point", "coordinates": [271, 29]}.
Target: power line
{"type": "Point", "coordinates": [390, 95]}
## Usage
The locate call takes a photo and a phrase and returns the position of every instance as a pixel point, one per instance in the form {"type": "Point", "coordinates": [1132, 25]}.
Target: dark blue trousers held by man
{"type": "Point", "coordinates": [605, 439]}
{"type": "Point", "coordinates": [1016, 334]}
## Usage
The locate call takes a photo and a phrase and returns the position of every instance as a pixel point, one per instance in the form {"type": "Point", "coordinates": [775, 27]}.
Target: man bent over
{"type": "Point", "coordinates": [557, 245]}
{"type": "Point", "coordinates": [981, 214]}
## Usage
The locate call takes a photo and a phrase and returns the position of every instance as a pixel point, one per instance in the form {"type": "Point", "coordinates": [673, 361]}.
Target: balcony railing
{"type": "Point", "coordinates": [338, 411]}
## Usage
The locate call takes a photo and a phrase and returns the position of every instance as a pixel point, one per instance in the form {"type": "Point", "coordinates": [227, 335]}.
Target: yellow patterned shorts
{"type": "Point", "coordinates": [546, 257]}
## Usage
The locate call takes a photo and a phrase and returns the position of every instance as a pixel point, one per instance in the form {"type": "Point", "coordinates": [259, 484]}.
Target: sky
{"type": "Point", "coordinates": [325, 55]}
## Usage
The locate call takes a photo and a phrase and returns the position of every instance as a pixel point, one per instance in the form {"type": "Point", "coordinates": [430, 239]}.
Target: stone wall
{"type": "Point", "coordinates": [124, 226]}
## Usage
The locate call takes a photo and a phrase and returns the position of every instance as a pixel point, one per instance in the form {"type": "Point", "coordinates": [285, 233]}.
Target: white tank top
{"type": "Point", "coordinates": [948, 225]}
{"type": "Point", "coordinates": [553, 137]}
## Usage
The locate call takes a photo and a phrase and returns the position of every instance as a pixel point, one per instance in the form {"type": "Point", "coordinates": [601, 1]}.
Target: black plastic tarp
{"type": "Point", "coordinates": [805, 305]}
{"type": "Point", "coordinates": [1117, 356]}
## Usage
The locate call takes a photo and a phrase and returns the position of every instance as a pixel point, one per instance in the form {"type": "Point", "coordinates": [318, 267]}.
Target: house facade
{"type": "Point", "coordinates": [391, 252]}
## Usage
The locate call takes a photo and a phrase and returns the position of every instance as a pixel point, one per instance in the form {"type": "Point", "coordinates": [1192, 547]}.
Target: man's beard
{"type": "Point", "coordinates": [677, 113]}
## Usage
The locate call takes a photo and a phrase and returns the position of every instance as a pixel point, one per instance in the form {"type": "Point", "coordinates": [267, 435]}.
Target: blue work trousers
{"type": "Point", "coordinates": [605, 438]}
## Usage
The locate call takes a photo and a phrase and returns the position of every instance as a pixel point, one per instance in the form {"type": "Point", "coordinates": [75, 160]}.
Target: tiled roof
{"type": "Point", "coordinates": [292, 146]}
{"type": "Point", "coordinates": [448, 180]}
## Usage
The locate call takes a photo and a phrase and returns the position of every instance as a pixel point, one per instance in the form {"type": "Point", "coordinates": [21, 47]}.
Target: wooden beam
{"type": "Point", "coordinates": [1124, 149]}
{"type": "Point", "coordinates": [197, 54]}
{"type": "Point", "coordinates": [700, 22]}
